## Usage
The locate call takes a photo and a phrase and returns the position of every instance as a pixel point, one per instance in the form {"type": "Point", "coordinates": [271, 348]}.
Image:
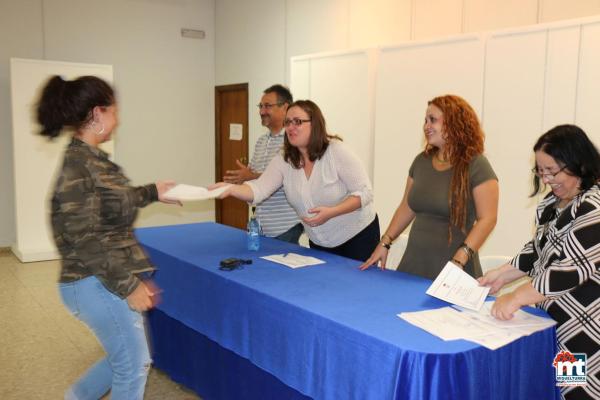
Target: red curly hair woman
{"type": "Point", "coordinates": [451, 195]}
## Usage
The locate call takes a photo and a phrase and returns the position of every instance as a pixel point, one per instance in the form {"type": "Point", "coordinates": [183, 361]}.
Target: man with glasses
{"type": "Point", "coordinates": [277, 218]}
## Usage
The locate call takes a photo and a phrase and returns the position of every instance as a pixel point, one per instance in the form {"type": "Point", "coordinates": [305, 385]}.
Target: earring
{"type": "Point", "coordinates": [101, 131]}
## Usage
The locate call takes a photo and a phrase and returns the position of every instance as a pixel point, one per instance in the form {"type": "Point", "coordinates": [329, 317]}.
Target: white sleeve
{"type": "Point", "coordinates": [270, 180]}
{"type": "Point", "coordinates": [352, 173]}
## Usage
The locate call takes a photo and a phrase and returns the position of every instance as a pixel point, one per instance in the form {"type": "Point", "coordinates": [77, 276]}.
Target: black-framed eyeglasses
{"type": "Point", "coordinates": [548, 175]}
{"type": "Point", "coordinates": [295, 121]}
{"type": "Point", "coordinates": [267, 106]}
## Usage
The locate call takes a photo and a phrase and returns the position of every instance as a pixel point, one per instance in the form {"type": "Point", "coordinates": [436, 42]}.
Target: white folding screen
{"type": "Point", "coordinates": [521, 82]}
{"type": "Point", "coordinates": [588, 82]}
{"type": "Point", "coordinates": [341, 97]}
{"type": "Point", "coordinates": [35, 158]}
{"type": "Point", "coordinates": [562, 64]}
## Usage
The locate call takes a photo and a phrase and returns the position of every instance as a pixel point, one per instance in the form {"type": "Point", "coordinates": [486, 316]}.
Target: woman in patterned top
{"type": "Point", "coordinates": [93, 208]}
{"type": "Point", "coordinates": [563, 258]}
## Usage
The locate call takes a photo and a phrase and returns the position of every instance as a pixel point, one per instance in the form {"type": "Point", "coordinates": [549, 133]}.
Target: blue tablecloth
{"type": "Point", "coordinates": [331, 331]}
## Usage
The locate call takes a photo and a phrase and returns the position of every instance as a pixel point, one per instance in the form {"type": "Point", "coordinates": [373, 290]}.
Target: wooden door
{"type": "Point", "coordinates": [231, 111]}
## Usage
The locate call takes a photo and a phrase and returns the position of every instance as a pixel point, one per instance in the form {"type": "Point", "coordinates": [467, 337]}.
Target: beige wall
{"type": "Point", "coordinates": [256, 38]}
{"type": "Point", "coordinates": [166, 82]}
{"type": "Point", "coordinates": [165, 86]}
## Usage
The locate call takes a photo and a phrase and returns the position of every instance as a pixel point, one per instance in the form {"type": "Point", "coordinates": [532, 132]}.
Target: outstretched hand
{"type": "Point", "coordinates": [239, 176]}
{"type": "Point", "coordinates": [217, 185]}
{"type": "Point", "coordinates": [162, 187]}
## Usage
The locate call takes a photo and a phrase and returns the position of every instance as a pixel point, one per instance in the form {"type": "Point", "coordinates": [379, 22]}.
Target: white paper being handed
{"type": "Point", "coordinates": [457, 287]}
{"type": "Point", "coordinates": [183, 192]}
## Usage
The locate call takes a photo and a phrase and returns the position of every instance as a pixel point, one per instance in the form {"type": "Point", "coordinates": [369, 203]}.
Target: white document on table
{"type": "Point", "coordinates": [183, 192]}
{"type": "Point", "coordinates": [294, 260]}
{"type": "Point", "coordinates": [457, 287]}
{"type": "Point", "coordinates": [520, 319]}
{"type": "Point", "coordinates": [449, 323]}
{"type": "Point", "coordinates": [446, 323]}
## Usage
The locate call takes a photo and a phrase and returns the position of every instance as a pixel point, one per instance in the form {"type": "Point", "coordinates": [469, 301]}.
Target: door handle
{"type": "Point", "coordinates": [244, 160]}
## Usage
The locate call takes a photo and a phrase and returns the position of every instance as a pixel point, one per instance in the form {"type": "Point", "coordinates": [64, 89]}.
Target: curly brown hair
{"type": "Point", "coordinates": [319, 138]}
{"type": "Point", "coordinates": [464, 141]}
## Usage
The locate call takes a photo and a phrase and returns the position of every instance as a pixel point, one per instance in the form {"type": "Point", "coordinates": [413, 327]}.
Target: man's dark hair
{"type": "Point", "coordinates": [283, 94]}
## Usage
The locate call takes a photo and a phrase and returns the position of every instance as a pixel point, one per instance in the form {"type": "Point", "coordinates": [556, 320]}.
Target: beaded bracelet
{"type": "Point", "coordinates": [468, 251]}
{"type": "Point", "coordinates": [455, 261]}
{"type": "Point", "coordinates": [389, 237]}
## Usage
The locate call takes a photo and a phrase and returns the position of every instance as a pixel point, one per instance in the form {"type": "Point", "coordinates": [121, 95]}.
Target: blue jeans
{"type": "Point", "coordinates": [292, 235]}
{"type": "Point", "coordinates": [121, 332]}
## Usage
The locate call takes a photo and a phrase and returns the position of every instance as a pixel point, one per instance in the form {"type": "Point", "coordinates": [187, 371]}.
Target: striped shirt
{"type": "Point", "coordinates": [274, 213]}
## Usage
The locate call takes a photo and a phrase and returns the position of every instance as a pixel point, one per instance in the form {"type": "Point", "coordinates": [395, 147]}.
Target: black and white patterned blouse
{"type": "Point", "coordinates": [563, 260]}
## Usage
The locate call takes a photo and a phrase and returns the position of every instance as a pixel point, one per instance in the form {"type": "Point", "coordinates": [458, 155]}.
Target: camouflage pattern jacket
{"type": "Point", "coordinates": [93, 210]}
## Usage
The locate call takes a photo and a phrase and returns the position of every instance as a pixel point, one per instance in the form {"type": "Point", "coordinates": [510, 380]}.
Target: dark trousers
{"type": "Point", "coordinates": [358, 247]}
{"type": "Point", "coordinates": [292, 235]}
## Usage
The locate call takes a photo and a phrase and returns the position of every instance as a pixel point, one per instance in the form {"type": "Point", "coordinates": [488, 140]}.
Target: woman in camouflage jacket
{"type": "Point", "coordinates": [93, 208]}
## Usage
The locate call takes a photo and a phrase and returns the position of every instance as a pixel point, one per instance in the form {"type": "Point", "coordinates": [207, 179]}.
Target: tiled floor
{"type": "Point", "coordinates": [43, 349]}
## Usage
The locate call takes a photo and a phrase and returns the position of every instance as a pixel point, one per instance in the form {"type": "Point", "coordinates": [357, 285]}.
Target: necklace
{"type": "Point", "coordinates": [440, 160]}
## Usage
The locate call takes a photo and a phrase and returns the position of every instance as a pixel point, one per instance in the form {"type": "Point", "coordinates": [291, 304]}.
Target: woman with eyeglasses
{"type": "Point", "coordinates": [324, 182]}
{"type": "Point", "coordinates": [563, 257]}
{"type": "Point", "coordinates": [451, 195]}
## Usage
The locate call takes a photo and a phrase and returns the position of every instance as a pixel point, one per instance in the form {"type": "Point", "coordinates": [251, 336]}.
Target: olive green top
{"type": "Point", "coordinates": [93, 208]}
{"type": "Point", "coordinates": [428, 250]}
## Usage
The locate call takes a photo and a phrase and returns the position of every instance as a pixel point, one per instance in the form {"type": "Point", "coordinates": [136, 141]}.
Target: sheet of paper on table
{"type": "Point", "coordinates": [294, 260]}
{"type": "Point", "coordinates": [449, 323]}
{"type": "Point", "coordinates": [457, 287]}
{"type": "Point", "coordinates": [183, 192]}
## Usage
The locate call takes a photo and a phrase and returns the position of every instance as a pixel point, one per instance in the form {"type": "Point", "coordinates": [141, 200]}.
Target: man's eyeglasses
{"type": "Point", "coordinates": [267, 106]}
{"type": "Point", "coordinates": [295, 121]}
{"type": "Point", "coordinates": [548, 175]}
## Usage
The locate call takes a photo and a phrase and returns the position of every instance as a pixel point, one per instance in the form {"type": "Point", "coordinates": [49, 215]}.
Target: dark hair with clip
{"type": "Point", "coordinates": [70, 103]}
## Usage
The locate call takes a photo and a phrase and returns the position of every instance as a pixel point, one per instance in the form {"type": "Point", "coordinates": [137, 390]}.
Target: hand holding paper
{"type": "Point", "coordinates": [457, 287]}
{"type": "Point", "coordinates": [183, 192]}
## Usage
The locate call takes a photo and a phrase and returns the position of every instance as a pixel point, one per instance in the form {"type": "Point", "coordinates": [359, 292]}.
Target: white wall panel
{"type": "Point", "coordinates": [562, 63]}
{"type": "Point", "coordinates": [486, 15]}
{"type": "Point", "coordinates": [316, 26]}
{"type": "Point", "coordinates": [300, 78]}
{"type": "Point", "coordinates": [35, 159]}
{"type": "Point", "coordinates": [407, 78]}
{"type": "Point", "coordinates": [588, 88]}
{"type": "Point", "coordinates": [554, 10]}
{"type": "Point", "coordinates": [340, 86]}
{"type": "Point", "coordinates": [379, 22]}
{"type": "Point", "coordinates": [514, 90]}
{"type": "Point", "coordinates": [436, 18]}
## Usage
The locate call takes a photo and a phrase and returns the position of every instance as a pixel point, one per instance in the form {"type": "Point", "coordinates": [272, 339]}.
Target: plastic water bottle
{"type": "Point", "coordinates": [253, 233]}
